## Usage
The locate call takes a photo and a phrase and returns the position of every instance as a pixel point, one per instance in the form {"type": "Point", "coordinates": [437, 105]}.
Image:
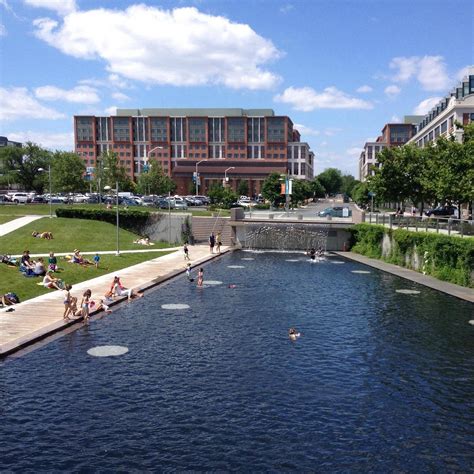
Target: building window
{"type": "Point", "coordinates": [197, 129]}
{"type": "Point", "coordinates": [444, 126]}
{"type": "Point", "coordinates": [275, 129]}
{"type": "Point", "coordinates": [255, 129]}
{"type": "Point", "coordinates": [235, 129]}
{"type": "Point", "coordinates": [178, 129]}
{"type": "Point", "coordinates": [216, 129]}
{"type": "Point", "coordinates": [121, 129]}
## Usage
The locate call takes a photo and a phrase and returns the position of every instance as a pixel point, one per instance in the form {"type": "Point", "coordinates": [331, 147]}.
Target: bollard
{"type": "Point", "coordinates": [300, 217]}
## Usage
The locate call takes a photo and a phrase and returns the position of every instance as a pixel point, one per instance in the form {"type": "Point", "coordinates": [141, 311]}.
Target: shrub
{"type": "Point", "coordinates": [129, 219]}
{"type": "Point", "coordinates": [446, 258]}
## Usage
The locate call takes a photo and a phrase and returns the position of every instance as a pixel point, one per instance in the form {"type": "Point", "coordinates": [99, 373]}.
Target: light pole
{"type": "Point", "coordinates": [225, 174]}
{"type": "Point", "coordinates": [50, 196]}
{"type": "Point", "coordinates": [197, 176]}
{"type": "Point", "coordinates": [147, 161]}
{"type": "Point", "coordinates": [117, 218]}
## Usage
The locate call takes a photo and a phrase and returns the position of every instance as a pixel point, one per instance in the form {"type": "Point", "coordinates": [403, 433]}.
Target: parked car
{"type": "Point", "coordinates": [179, 203]}
{"type": "Point", "coordinates": [164, 203]}
{"type": "Point", "coordinates": [337, 211]}
{"type": "Point", "coordinates": [129, 202]}
{"type": "Point", "coordinates": [22, 198]}
{"type": "Point", "coordinates": [79, 198]}
{"type": "Point", "coordinates": [442, 211]}
{"type": "Point", "coordinates": [38, 200]}
{"type": "Point", "coordinates": [204, 199]}
{"type": "Point", "coordinates": [245, 201]}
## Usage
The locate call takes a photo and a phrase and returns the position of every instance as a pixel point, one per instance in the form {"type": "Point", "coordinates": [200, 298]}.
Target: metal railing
{"type": "Point", "coordinates": [449, 226]}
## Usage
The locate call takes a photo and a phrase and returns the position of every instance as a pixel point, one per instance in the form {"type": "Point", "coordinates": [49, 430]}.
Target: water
{"type": "Point", "coordinates": [379, 380]}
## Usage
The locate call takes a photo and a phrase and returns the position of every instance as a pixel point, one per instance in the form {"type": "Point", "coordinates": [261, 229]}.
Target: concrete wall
{"type": "Point", "coordinates": [162, 227]}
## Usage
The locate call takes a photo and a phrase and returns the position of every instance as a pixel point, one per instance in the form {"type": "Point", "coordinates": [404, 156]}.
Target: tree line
{"type": "Point", "coordinates": [28, 167]}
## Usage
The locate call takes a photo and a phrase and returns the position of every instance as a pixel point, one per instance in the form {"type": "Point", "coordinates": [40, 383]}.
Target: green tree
{"type": "Point", "coordinates": [360, 193]}
{"type": "Point", "coordinates": [271, 189]}
{"type": "Point", "coordinates": [21, 166]}
{"type": "Point", "coordinates": [317, 188]}
{"type": "Point", "coordinates": [301, 190]}
{"type": "Point", "coordinates": [154, 181]}
{"type": "Point", "coordinates": [243, 188]}
{"type": "Point", "coordinates": [110, 171]}
{"type": "Point", "coordinates": [331, 179]}
{"type": "Point", "coordinates": [222, 196]}
{"type": "Point", "coordinates": [67, 172]}
{"type": "Point", "coordinates": [348, 184]}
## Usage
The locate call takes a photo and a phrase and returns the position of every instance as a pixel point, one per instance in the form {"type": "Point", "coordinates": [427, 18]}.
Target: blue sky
{"type": "Point", "coordinates": [339, 69]}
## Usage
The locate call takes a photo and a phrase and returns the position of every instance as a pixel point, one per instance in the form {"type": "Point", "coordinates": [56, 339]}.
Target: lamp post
{"type": "Point", "coordinates": [225, 173]}
{"type": "Point", "coordinates": [147, 161]}
{"type": "Point", "coordinates": [197, 176]}
{"type": "Point", "coordinates": [50, 196]}
{"type": "Point", "coordinates": [117, 218]}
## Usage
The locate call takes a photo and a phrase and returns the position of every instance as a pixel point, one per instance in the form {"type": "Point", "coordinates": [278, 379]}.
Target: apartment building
{"type": "Point", "coordinates": [457, 106]}
{"type": "Point", "coordinates": [245, 144]}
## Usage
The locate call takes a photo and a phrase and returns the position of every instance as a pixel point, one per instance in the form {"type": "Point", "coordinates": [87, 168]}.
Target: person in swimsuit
{"type": "Point", "coordinates": [186, 251]}
{"type": "Point", "coordinates": [85, 304]}
{"type": "Point", "coordinates": [219, 242]}
{"type": "Point", "coordinates": [200, 280]}
{"type": "Point", "coordinates": [212, 242]}
{"type": "Point", "coordinates": [67, 302]}
{"type": "Point", "coordinates": [120, 290]}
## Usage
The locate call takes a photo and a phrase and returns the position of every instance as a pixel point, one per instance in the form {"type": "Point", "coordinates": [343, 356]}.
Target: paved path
{"type": "Point", "coordinates": [462, 292]}
{"type": "Point", "coordinates": [105, 252]}
{"type": "Point", "coordinates": [41, 316]}
{"type": "Point", "coordinates": [17, 223]}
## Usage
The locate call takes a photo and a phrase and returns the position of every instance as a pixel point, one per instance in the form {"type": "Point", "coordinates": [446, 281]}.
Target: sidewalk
{"type": "Point", "coordinates": [38, 317]}
{"type": "Point", "coordinates": [461, 292]}
{"type": "Point", "coordinates": [17, 223]}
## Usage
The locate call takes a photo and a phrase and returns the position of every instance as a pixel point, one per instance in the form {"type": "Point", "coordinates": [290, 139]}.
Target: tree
{"type": "Point", "coordinates": [317, 188]}
{"type": "Point", "coordinates": [21, 165]}
{"type": "Point", "coordinates": [301, 190]}
{"type": "Point", "coordinates": [154, 181]}
{"type": "Point", "coordinates": [331, 179]}
{"type": "Point", "coordinates": [243, 188]}
{"type": "Point", "coordinates": [360, 193]}
{"type": "Point", "coordinates": [222, 196]}
{"type": "Point", "coordinates": [271, 189]}
{"type": "Point", "coordinates": [67, 172]}
{"type": "Point", "coordinates": [110, 171]}
{"type": "Point", "coordinates": [348, 184]}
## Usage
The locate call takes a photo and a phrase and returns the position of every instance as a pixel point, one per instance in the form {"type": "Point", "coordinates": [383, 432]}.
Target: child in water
{"type": "Point", "coordinates": [200, 277]}
{"type": "Point", "coordinates": [188, 272]}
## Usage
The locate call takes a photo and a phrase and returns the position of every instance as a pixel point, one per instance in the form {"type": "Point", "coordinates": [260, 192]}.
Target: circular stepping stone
{"type": "Point", "coordinates": [248, 258]}
{"type": "Point", "coordinates": [175, 306]}
{"type": "Point", "coordinates": [360, 271]}
{"type": "Point", "coordinates": [107, 351]}
{"type": "Point", "coordinates": [291, 260]}
{"type": "Point", "coordinates": [212, 282]}
{"type": "Point", "coordinates": [408, 292]}
{"type": "Point", "coordinates": [337, 262]}
{"type": "Point", "coordinates": [235, 266]}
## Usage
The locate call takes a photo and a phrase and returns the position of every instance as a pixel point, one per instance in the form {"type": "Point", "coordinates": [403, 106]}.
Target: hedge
{"type": "Point", "coordinates": [129, 219]}
{"type": "Point", "coordinates": [445, 257]}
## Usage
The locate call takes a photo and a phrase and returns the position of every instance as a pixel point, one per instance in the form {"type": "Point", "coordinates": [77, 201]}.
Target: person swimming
{"type": "Point", "coordinates": [293, 334]}
{"type": "Point", "coordinates": [312, 253]}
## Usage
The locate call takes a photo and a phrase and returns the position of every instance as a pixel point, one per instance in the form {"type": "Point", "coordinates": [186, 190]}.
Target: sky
{"type": "Point", "coordinates": [340, 69]}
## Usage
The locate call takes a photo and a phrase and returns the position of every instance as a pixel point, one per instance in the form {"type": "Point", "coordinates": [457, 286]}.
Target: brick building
{"type": "Point", "coordinates": [249, 144]}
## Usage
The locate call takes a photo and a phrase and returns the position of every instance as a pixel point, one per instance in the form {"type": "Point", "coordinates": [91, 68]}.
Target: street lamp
{"type": "Point", "coordinates": [197, 176]}
{"type": "Point", "coordinates": [147, 161]}
{"type": "Point", "coordinates": [50, 195]}
{"type": "Point", "coordinates": [108, 188]}
{"type": "Point", "coordinates": [225, 173]}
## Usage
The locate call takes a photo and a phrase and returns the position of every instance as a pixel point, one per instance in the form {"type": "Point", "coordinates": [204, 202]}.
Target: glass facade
{"type": "Point", "coordinates": [197, 129]}
{"type": "Point", "coordinates": [276, 129]}
{"type": "Point", "coordinates": [256, 130]}
{"type": "Point", "coordinates": [121, 129]}
{"type": "Point", "coordinates": [236, 129]}
{"type": "Point", "coordinates": [178, 129]}
{"type": "Point", "coordinates": [216, 130]}
{"type": "Point", "coordinates": [84, 129]}
{"type": "Point", "coordinates": [140, 129]}
{"type": "Point", "coordinates": [159, 129]}
{"type": "Point", "coordinates": [102, 129]}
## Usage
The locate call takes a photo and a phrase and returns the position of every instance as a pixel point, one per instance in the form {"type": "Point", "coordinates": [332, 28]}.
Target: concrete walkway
{"type": "Point", "coordinates": [461, 292]}
{"type": "Point", "coordinates": [41, 316]}
{"type": "Point", "coordinates": [17, 223]}
{"type": "Point", "coordinates": [104, 252]}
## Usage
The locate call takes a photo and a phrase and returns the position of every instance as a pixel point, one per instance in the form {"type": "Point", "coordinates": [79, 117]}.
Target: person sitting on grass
{"type": "Point", "coordinates": [9, 299]}
{"type": "Point", "coordinates": [78, 258]}
{"type": "Point", "coordinates": [39, 269]}
{"type": "Point", "coordinates": [143, 241]}
{"type": "Point", "coordinates": [118, 289]}
{"type": "Point", "coordinates": [43, 235]}
{"type": "Point", "coordinates": [26, 264]}
{"type": "Point", "coordinates": [52, 262]}
{"type": "Point", "coordinates": [49, 281]}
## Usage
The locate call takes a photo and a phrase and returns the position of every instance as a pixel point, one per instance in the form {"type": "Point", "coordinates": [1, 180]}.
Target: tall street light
{"type": "Point", "coordinates": [117, 218]}
{"type": "Point", "coordinates": [147, 159]}
{"type": "Point", "coordinates": [197, 176]}
{"type": "Point", "coordinates": [225, 173]}
{"type": "Point", "coordinates": [50, 195]}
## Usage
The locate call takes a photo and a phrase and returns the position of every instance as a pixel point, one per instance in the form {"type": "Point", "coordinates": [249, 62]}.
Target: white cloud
{"type": "Point", "coordinates": [61, 7]}
{"type": "Point", "coordinates": [120, 96]}
{"type": "Point", "coordinates": [392, 91]}
{"type": "Point", "coordinates": [17, 102]}
{"type": "Point", "coordinates": [286, 8]}
{"type": "Point", "coordinates": [304, 130]}
{"type": "Point", "coordinates": [181, 47]}
{"type": "Point", "coordinates": [79, 94]}
{"type": "Point", "coordinates": [307, 99]}
{"type": "Point", "coordinates": [462, 73]}
{"type": "Point", "coordinates": [395, 119]}
{"type": "Point", "coordinates": [426, 105]}
{"type": "Point", "coordinates": [354, 151]}
{"type": "Point", "coordinates": [430, 71]}
{"type": "Point", "coordinates": [364, 89]}
{"type": "Point", "coordinates": [331, 131]}
{"type": "Point", "coordinates": [55, 141]}
{"type": "Point", "coordinates": [111, 110]}
{"type": "Point", "coordinates": [3, 30]}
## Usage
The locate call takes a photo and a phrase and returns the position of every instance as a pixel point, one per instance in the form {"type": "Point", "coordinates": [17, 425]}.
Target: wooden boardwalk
{"type": "Point", "coordinates": [39, 317]}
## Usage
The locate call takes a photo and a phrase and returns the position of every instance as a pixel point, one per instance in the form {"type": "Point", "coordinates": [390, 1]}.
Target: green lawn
{"type": "Point", "coordinates": [4, 219]}
{"type": "Point", "coordinates": [12, 280]}
{"type": "Point", "coordinates": [69, 234]}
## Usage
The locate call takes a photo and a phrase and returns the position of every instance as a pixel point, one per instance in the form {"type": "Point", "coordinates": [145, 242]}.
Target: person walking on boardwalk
{"type": "Point", "coordinates": [200, 280]}
{"type": "Point", "coordinates": [212, 242]}
{"type": "Point", "coordinates": [186, 251]}
{"type": "Point", "coordinates": [219, 242]}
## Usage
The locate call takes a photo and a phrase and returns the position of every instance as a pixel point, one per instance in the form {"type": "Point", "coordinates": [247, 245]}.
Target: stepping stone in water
{"type": "Point", "coordinates": [107, 351]}
{"type": "Point", "coordinates": [175, 306]}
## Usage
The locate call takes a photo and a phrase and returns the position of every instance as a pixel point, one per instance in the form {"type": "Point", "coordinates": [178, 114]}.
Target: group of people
{"type": "Point", "coordinates": [42, 235]}
{"type": "Point", "coordinates": [215, 241]}
{"type": "Point", "coordinates": [313, 253]}
{"type": "Point", "coordinates": [87, 305]}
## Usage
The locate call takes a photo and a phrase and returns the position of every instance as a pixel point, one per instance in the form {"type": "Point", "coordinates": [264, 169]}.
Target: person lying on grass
{"type": "Point", "coordinates": [42, 235]}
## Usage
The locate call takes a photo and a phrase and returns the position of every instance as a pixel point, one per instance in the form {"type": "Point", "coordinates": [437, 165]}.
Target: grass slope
{"type": "Point", "coordinates": [86, 235]}
{"type": "Point", "coordinates": [12, 280]}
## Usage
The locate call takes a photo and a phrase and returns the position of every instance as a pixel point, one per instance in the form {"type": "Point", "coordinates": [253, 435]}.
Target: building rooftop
{"type": "Point", "coordinates": [196, 112]}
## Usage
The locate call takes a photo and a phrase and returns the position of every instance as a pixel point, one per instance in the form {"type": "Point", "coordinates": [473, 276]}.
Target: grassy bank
{"type": "Point", "coordinates": [86, 235]}
{"type": "Point", "coordinates": [12, 280]}
{"type": "Point", "coordinates": [441, 256]}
